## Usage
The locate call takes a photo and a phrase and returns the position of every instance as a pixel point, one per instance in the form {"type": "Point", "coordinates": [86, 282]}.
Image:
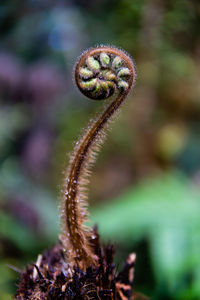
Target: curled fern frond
{"type": "Point", "coordinates": [102, 71]}
{"type": "Point", "coordinates": [99, 73]}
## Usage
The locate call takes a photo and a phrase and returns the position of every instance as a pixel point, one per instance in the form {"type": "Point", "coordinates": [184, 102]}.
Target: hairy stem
{"type": "Point", "coordinates": [100, 73]}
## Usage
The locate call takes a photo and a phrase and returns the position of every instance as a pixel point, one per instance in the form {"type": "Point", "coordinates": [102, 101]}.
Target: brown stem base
{"type": "Point", "coordinates": [51, 278]}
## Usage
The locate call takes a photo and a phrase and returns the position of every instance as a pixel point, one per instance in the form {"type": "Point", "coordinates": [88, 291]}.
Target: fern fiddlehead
{"type": "Point", "coordinates": [79, 267]}
{"type": "Point", "coordinates": [99, 73]}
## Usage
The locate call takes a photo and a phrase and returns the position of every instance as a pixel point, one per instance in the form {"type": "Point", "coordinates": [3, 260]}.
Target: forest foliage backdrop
{"type": "Point", "coordinates": [145, 191]}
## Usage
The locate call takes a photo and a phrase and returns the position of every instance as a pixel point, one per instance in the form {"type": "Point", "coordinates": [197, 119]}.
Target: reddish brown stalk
{"type": "Point", "coordinates": [99, 73]}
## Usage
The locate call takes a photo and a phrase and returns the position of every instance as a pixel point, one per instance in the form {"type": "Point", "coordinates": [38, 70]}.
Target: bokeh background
{"type": "Point", "coordinates": [145, 190]}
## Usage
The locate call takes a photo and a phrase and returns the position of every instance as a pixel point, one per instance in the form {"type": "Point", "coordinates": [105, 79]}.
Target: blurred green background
{"type": "Point", "coordinates": [145, 190]}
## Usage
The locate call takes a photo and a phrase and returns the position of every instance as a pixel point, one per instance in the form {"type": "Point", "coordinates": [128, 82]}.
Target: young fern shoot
{"type": "Point", "coordinates": [78, 266]}
{"type": "Point", "coordinates": [100, 73]}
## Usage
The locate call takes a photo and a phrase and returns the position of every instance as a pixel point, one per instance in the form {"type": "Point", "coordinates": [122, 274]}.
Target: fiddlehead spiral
{"type": "Point", "coordinates": [100, 73]}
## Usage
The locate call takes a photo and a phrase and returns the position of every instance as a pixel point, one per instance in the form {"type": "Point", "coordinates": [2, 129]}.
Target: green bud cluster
{"type": "Point", "coordinates": [101, 74]}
